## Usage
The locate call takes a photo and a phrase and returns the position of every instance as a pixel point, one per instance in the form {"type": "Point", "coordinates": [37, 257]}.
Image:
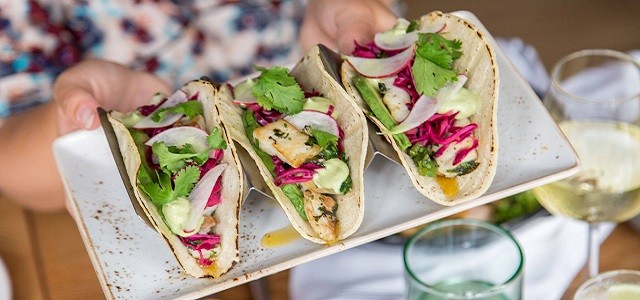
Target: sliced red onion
{"type": "Point", "coordinates": [178, 136]}
{"type": "Point", "coordinates": [426, 107]}
{"type": "Point", "coordinates": [314, 119]}
{"type": "Point", "coordinates": [381, 67]}
{"type": "Point", "coordinates": [199, 197]}
{"type": "Point", "coordinates": [391, 40]}
{"type": "Point", "coordinates": [176, 98]}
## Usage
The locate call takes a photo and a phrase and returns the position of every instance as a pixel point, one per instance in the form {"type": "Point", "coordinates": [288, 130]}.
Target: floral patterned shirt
{"type": "Point", "coordinates": [178, 40]}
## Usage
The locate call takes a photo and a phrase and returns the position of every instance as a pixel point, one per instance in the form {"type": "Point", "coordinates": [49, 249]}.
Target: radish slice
{"type": "Point", "coordinates": [381, 67]}
{"type": "Point", "coordinates": [391, 40]}
{"type": "Point", "coordinates": [178, 136]}
{"type": "Point", "coordinates": [199, 197]}
{"type": "Point", "coordinates": [245, 98]}
{"type": "Point", "coordinates": [426, 107]}
{"type": "Point", "coordinates": [176, 98]}
{"type": "Point", "coordinates": [434, 27]}
{"type": "Point", "coordinates": [314, 119]}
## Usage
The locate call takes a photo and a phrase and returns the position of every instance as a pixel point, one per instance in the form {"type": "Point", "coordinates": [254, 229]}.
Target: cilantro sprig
{"type": "Point", "coordinates": [276, 89]}
{"type": "Point", "coordinates": [433, 64]}
{"type": "Point", "coordinates": [161, 191]}
{"type": "Point", "coordinates": [172, 158]}
{"type": "Point", "coordinates": [189, 108]}
{"type": "Point", "coordinates": [216, 140]}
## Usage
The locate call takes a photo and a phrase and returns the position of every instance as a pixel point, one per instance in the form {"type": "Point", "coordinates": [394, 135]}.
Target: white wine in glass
{"type": "Point", "coordinates": [595, 98]}
{"type": "Point", "coordinates": [612, 285]}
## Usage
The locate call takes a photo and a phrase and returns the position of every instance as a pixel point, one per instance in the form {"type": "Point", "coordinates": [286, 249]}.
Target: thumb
{"type": "Point", "coordinates": [78, 107]}
{"type": "Point", "coordinates": [354, 31]}
{"type": "Point", "coordinates": [359, 28]}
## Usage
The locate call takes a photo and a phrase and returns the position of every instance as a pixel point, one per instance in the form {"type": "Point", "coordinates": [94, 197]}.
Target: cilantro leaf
{"type": "Point", "coordinates": [432, 67]}
{"type": "Point", "coordinates": [324, 139]}
{"type": "Point", "coordinates": [184, 181]}
{"type": "Point", "coordinates": [158, 192]}
{"type": "Point", "coordinates": [413, 26]}
{"type": "Point", "coordinates": [163, 191]}
{"type": "Point", "coordinates": [189, 108]}
{"type": "Point", "coordinates": [276, 89]}
{"type": "Point", "coordinates": [174, 158]}
{"type": "Point", "coordinates": [451, 47]}
{"type": "Point", "coordinates": [422, 157]}
{"type": "Point", "coordinates": [216, 140]}
{"type": "Point", "coordinates": [430, 77]}
{"type": "Point", "coordinates": [327, 142]}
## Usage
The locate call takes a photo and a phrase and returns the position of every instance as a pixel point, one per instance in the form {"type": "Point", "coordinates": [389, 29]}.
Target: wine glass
{"type": "Point", "coordinates": [618, 285]}
{"type": "Point", "coordinates": [595, 98]}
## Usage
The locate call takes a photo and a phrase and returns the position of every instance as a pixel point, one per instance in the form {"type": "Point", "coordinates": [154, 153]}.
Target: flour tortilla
{"type": "Point", "coordinates": [311, 75]}
{"type": "Point", "coordinates": [227, 213]}
{"type": "Point", "coordinates": [479, 63]}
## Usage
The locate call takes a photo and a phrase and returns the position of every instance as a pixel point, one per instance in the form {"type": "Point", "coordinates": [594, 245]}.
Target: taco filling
{"type": "Point", "coordinates": [297, 137]}
{"type": "Point", "coordinates": [181, 169]}
{"type": "Point", "coordinates": [407, 79]}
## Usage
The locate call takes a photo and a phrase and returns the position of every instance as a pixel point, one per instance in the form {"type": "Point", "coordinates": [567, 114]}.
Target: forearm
{"type": "Point", "coordinates": [29, 175]}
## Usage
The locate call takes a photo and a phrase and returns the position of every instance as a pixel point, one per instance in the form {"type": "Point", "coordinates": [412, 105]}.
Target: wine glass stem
{"type": "Point", "coordinates": [594, 249]}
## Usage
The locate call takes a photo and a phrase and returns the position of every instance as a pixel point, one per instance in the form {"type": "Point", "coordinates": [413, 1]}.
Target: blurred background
{"type": "Point", "coordinates": [554, 28]}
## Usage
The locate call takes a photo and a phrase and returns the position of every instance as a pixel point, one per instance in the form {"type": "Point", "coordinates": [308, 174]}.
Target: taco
{"type": "Point", "coordinates": [431, 87]}
{"type": "Point", "coordinates": [186, 176]}
{"type": "Point", "coordinates": [309, 142]}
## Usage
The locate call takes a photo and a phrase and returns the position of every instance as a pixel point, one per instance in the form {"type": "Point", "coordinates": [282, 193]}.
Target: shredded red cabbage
{"type": "Point", "coordinates": [463, 153]}
{"type": "Point", "coordinates": [295, 175]}
{"type": "Point", "coordinates": [199, 242]}
{"type": "Point", "coordinates": [405, 82]}
{"type": "Point", "coordinates": [214, 159]}
{"type": "Point", "coordinates": [146, 110]}
{"type": "Point", "coordinates": [313, 93]}
{"type": "Point", "coordinates": [440, 129]}
{"type": "Point", "coordinates": [216, 194]}
{"type": "Point", "coordinates": [263, 116]}
{"type": "Point", "coordinates": [330, 110]}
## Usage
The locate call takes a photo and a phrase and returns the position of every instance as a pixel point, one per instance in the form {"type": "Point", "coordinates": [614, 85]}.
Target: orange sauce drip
{"type": "Point", "coordinates": [212, 269]}
{"type": "Point", "coordinates": [279, 237]}
{"type": "Point", "coordinates": [449, 186]}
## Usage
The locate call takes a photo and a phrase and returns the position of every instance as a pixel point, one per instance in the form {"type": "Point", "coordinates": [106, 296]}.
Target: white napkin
{"type": "Point", "coordinates": [555, 247]}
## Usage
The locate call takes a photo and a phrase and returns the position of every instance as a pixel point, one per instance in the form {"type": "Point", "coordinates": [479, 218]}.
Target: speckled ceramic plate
{"type": "Point", "coordinates": [132, 261]}
{"type": "Point", "coordinates": [5, 282]}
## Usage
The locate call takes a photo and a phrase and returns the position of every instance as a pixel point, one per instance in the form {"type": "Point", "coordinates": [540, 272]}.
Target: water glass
{"type": "Point", "coordinates": [463, 259]}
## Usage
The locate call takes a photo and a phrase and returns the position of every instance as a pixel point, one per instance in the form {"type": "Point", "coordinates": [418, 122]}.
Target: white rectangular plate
{"type": "Point", "coordinates": [133, 262]}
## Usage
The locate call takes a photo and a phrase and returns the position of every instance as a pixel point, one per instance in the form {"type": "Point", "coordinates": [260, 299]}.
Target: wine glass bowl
{"type": "Point", "coordinates": [613, 285]}
{"type": "Point", "coordinates": [595, 98]}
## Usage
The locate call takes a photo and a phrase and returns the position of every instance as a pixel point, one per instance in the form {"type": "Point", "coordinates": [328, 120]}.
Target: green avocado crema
{"type": "Point", "coordinates": [464, 102]}
{"type": "Point", "coordinates": [331, 177]}
{"type": "Point", "coordinates": [371, 96]}
{"type": "Point", "coordinates": [176, 213]}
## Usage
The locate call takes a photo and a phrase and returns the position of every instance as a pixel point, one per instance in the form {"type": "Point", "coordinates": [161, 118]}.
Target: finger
{"type": "Point", "coordinates": [79, 106]}
{"type": "Point", "coordinates": [360, 28]}
{"type": "Point", "coordinates": [137, 91]}
{"type": "Point", "coordinates": [353, 31]}
{"type": "Point", "coordinates": [311, 34]}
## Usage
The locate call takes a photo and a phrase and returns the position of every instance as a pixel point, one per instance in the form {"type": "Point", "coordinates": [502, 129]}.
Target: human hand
{"type": "Point", "coordinates": [338, 23]}
{"type": "Point", "coordinates": [93, 83]}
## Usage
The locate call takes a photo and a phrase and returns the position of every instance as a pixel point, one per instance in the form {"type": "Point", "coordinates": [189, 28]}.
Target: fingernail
{"type": "Point", "coordinates": [85, 117]}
